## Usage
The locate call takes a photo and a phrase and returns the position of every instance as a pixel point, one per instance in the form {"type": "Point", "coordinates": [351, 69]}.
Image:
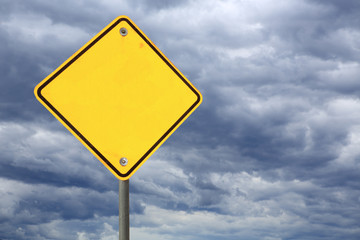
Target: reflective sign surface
{"type": "Point", "coordinates": [120, 96]}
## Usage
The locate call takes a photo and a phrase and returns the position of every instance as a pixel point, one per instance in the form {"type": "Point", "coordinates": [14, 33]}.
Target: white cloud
{"type": "Point", "coordinates": [349, 156]}
{"type": "Point", "coordinates": [201, 224]}
{"type": "Point", "coordinates": [108, 233]}
{"type": "Point", "coordinates": [33, 29]}
{"type": "Point", "coordinates": [37, 148]}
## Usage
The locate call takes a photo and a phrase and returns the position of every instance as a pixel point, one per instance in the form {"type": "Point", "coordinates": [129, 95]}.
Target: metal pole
{"type": "Point", "coordinates": [124, 226]}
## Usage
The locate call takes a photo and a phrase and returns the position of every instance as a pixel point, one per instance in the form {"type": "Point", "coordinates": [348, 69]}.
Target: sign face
{"type": "Point", "coordinates": [120, 96]}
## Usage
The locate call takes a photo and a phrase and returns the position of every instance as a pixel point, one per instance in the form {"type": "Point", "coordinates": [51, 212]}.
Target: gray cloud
{"type": "Point", "coordinates": [157, 4]}
{"type": "Point", "coordinates": [272, 153]}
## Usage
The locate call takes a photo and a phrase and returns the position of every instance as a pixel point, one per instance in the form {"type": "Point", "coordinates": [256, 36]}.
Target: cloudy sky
{"type": "Point", "coordinates": [272, 153]}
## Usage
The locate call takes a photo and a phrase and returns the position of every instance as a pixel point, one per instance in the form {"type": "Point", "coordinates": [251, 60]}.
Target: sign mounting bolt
{"type": "Point", "coordinates": [123, 161]}
{"type": "Point", "coordinates": [123, 32]}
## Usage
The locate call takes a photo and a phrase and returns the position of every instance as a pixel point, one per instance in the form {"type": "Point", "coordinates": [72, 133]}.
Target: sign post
{"type": "Point", "coordinates": [121, 98]}
{"type": "Point", "coordinates": [124, 206]}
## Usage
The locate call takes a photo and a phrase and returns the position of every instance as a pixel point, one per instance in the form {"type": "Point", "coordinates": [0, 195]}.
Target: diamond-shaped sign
{"type": "Point", "coordinates": [120, 96]}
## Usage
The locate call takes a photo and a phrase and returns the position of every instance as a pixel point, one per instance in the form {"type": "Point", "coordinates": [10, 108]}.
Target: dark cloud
{"type": "Point", "coordinates": [17, 70]}
{"type": "Point", "coordinates": [41, 205]}
{"type": "Point", "coordinates": [324, 30]}
{"type": "Point", "coordinates": [272, 153]}
{"type": "Point", "coordinates": [345, 7]}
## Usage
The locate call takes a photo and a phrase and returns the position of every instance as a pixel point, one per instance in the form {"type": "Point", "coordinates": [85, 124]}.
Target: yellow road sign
{"type": "Point", "coordinates": [120, 96]}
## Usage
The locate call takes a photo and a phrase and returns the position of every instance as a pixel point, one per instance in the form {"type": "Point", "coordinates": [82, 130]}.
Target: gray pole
{"type": "Point", "coordinates": [124, 226]}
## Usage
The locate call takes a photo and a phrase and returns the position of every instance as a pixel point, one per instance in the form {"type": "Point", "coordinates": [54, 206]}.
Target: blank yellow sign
{"type": "Point", "coordinates": [120, 96]}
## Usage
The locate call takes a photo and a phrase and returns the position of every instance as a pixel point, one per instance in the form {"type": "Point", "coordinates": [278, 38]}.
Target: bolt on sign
{"type": "Point", "coordinates": [120, 96]}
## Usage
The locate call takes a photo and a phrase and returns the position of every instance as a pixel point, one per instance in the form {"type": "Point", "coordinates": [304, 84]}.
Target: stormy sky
{"type": "Point", "coordinates": [272, 153]}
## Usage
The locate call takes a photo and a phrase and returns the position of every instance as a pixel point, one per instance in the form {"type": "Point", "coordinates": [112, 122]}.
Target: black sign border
{"type": "Point", "coordinates": [82, 136]}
